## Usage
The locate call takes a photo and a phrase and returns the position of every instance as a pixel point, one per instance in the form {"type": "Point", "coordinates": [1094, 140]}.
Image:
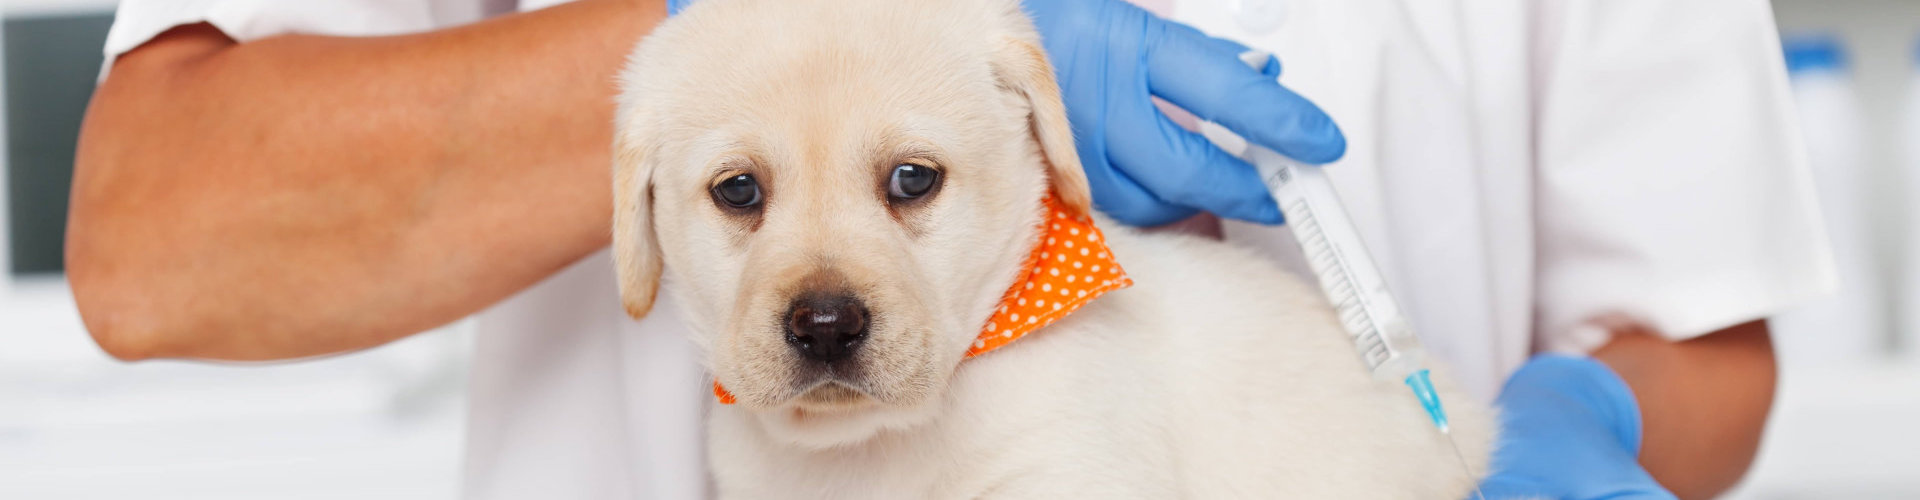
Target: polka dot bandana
{"type": "Point", "coordinates": [1069, 267]}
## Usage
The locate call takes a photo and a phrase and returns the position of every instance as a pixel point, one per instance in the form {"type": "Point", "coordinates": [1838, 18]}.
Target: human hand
{"type": "Point", "coordinates": [1145, 170]}
{"type": "Point", "coordinates": [1570, 429]}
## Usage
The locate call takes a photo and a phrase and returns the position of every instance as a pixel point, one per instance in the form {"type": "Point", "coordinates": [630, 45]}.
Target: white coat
{"type": "Point", "coordinates": [1524, 170]}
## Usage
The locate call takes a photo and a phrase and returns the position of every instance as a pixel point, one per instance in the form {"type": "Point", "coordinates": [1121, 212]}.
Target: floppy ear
{"type": "Point", "coordinates": [1022, 68]}
{"type": "Point", "coordinates": [636, 256]}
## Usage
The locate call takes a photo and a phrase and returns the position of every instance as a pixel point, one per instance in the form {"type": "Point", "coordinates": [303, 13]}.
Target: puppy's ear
{"type": "Point", "coordinates": [636, 256]}
{"type": "Point", "coordinates": [1022, 68]}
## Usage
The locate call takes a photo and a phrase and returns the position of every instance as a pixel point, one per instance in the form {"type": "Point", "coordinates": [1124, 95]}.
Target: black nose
{"type": "Point", "coordinates": [826, 327]}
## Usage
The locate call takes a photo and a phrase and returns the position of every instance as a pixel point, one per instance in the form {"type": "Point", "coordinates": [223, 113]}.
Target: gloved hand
{"type": "Point", "coordinates": [1570, 429]}
{"type": "Point", "coordinates": [1144, 168]}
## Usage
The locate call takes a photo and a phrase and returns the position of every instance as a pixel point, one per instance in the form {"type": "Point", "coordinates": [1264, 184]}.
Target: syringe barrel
{"type": "Point", "coordinates": [1404, 356]}
{"type": "Point", "coordinates": [1339, 259]}
{"type": "Point", "coordinates": [1340, 262]}
{"type": "Point", "coordinates": [1334, 251]}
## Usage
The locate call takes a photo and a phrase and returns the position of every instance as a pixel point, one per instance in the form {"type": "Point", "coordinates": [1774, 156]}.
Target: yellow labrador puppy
{"type": "Point", "coordinates": [842, 193]}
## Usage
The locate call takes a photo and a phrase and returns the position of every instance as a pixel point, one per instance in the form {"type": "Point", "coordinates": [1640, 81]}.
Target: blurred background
{"type": "Point", "coordinates": [388, 422]}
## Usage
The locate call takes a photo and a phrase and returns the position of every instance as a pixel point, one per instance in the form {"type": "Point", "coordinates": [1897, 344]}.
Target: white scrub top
{"type": "Point", "coordinates": [1524, 170]}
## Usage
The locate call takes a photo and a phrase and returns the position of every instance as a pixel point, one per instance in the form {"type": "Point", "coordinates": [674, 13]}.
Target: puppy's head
{"type": "Point", "coordinates": [838, 193]}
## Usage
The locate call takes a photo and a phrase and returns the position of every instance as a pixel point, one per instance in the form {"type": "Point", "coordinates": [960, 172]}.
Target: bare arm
{"type": "Point", "coordinates": [1703, 402]}
{"type": "Point", "coordinates": [302, 195]}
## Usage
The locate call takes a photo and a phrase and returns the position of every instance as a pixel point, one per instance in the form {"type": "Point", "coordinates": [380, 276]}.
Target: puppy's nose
{"type": "Point", "coordinates": [826, 327]}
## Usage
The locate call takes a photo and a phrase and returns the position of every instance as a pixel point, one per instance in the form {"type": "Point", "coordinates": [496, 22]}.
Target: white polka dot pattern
{"type": "Point", "coordinates": [1069, 272]}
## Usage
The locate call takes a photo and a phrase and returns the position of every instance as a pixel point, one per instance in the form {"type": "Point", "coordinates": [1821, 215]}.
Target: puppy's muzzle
{"type": "Point", "coordinates": [826, 326]}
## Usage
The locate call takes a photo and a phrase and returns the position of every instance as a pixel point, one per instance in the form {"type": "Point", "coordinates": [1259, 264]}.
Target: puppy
{"type": "Point", "coordinates": [841, 194]}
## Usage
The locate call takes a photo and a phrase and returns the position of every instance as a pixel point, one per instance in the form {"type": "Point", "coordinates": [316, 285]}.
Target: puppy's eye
{"type": "Point", "coordinates": [739, 191]}
{"type": "Point", "coordinates": [912, 181]}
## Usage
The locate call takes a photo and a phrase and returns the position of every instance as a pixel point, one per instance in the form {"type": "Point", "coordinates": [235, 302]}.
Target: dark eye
{"type": "Point", "coordinates": [739, 191]}
{"type": "Point", "coordinates": [912, 181]}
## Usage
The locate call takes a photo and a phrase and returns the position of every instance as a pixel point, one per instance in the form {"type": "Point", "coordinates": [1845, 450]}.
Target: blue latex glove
{"type": "Point", "coordinates": [1144, 168]}
{"type": "Point", "coordinates": [1570, 429]}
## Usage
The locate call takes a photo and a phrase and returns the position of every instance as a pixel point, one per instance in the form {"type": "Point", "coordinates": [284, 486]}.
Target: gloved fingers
{"type": "Point", "coordinates": [1606, 399]}
{"type": "Point", "coordinates": [1270, 69]}
{"type": "Point", "coordinates": [1187, 68]}
{"type": "Point", "coordinates": [1183, 168]}
{"type": "Point", "coordinates": [1120, 197]}
{"type": "Point", "coordinates": [1645, 495]}
{"type": "Point", "coordinates": [1571, 483]}
{"type": "Point", "coordinates": [1569, 428]}
{"type": "Point", "coordinates": [1511, 489]}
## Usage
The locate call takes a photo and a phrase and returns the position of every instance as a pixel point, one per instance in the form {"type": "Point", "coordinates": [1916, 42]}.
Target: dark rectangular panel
{"type": "Point", "coordinates": [51, 65]}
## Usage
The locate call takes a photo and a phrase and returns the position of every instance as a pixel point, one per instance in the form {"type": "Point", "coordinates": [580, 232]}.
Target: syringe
{"type": "Point", "coordinates": [1347, 274]}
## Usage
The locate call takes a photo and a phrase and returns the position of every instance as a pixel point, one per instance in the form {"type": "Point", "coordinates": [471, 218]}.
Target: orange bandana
{"type": "Point", "coordinates": [1069, 267]}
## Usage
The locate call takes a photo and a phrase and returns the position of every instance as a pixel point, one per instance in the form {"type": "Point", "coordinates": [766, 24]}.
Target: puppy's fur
{"type": "Point", "coordinates": [1216, 376]}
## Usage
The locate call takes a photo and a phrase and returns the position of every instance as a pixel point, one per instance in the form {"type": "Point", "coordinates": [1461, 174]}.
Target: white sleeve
{"type": "Point", "coordinates": [137, 21]}
{"type": "Point", "coordinates": [1673, 188]}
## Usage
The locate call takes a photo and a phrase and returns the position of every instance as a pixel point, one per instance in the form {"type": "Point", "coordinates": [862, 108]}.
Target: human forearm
{"type": "Point", "coordinates": [302, 195]}
{"type": "Point", "coordinates": [1703, 403]}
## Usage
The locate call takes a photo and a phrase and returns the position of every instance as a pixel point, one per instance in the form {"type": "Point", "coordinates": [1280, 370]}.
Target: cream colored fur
{"type": "Point", "coordinates": [1216, 376]}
